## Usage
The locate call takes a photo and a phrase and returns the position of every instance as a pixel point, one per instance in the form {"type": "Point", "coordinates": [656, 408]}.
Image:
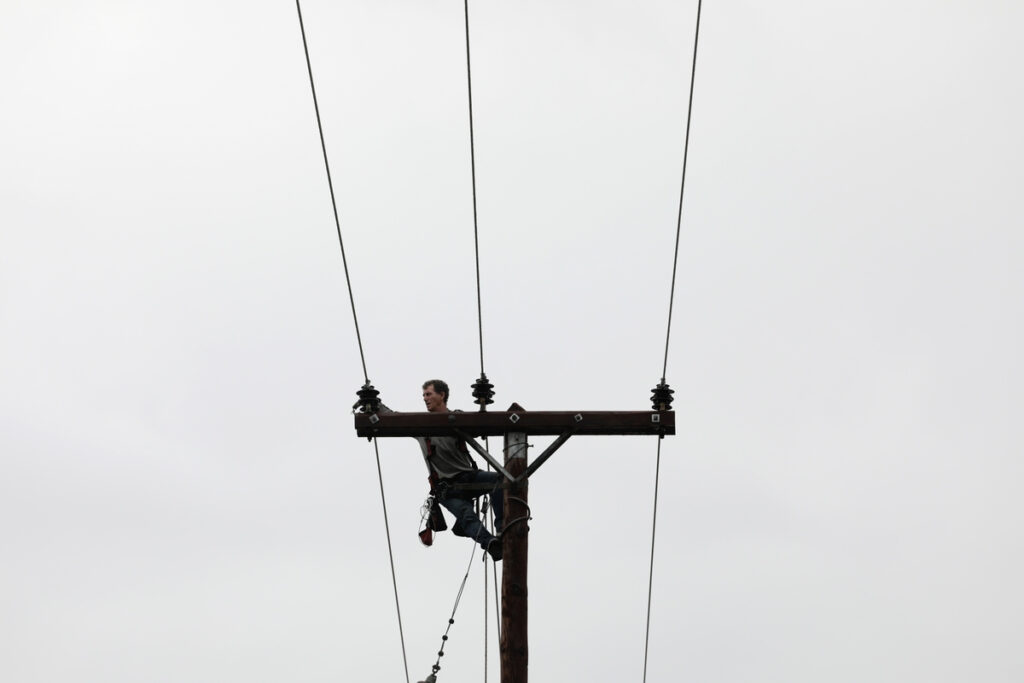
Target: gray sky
{"type": "Point", "coordinates": [184, 499]}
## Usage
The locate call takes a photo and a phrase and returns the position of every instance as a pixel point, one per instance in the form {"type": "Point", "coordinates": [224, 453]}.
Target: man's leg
{"type": "Point", "coordinates": [466, 519]}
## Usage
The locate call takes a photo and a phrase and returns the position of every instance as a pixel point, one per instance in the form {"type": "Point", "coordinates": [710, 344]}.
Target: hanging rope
{"type": "Point", "coordinates": [451, 620]}
{"type": "Point", "coordinates": [494, 569]}
{"type": "Point", "coordinates": [497, 601]}
{"type": "Point", "coordinates": [486, 615]}
{"type": "Point", "coordinates": [330, 185]}
{"type": "Point", "coordinates": [355, 320]}
{"type": "Point", "coordinates": [472, 166]}
{"type": "Point", "coordinates": [662, 392]}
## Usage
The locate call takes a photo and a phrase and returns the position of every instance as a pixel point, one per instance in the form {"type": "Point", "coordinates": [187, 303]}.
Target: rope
{"type": "Point", "coordinates": [497, 600]}
{"type": "Point", "coordinates": [472, 166]}
{"type": "Point", "coordinates": [650, 576]}
{"type": "Point", "coordinates": [391, 558]}
{"type": "Point", "coordinates": [494, 565]}
{"type": "Point", "coordinates": [682, 188]}
{"type": "Point", "coordinates": [451, 619]}
{"type": "Point", "coordinates": [486, 615]}
{"type": "Point", "coordinates": [489, 522]}
{"type": "Point", "coordinates": [488, 510]}
{"type": "Point", "coordinates": [330, 185]}
{"type": "Point", "coordinates": [525, 518]}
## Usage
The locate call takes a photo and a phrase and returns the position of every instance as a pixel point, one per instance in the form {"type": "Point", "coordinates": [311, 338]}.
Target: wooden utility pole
{"type": "Point", "coordinates": [515, 547]}
{"type": "Point", "coordinates": [516, 425]}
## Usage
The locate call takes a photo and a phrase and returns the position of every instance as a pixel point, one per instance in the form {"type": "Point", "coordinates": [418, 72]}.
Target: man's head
{"type": "Point", "coordinates": [435, 395]}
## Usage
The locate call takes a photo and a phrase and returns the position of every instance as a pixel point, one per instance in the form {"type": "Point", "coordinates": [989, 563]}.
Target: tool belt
{"type": "Point", "coordinates": [440, 489]}
{"type": "Point", "coordinates": [438, 492]}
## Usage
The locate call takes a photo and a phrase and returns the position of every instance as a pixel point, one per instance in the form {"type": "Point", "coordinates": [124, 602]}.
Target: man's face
{"type": "Point", "coordinates": [433, 400]}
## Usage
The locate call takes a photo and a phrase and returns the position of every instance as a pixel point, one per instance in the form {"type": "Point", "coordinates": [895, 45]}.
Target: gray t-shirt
{"type": "Point", "coordinates": [449, 457]}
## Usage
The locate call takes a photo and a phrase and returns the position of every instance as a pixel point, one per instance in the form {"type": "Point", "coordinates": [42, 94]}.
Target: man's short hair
{"type": "Point", "coordinates": [440, 386]}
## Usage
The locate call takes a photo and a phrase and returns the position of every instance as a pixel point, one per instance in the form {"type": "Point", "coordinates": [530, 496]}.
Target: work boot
{"type": "Point", "coordinates": [494, 548]}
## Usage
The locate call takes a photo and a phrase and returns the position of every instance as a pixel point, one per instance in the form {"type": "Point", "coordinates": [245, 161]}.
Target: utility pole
{"type": "Point", "coordinates": [515, 425]}
{"type": "Point", "coordinates": [515, 546]}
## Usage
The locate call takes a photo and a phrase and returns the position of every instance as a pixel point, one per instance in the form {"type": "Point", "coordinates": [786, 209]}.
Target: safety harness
{"type": "Point", "coordinates": [431, 516]}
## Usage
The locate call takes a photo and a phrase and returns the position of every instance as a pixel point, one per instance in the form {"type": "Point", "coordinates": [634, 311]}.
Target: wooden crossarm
{"type": "Point", "coordinates": [583, 422]}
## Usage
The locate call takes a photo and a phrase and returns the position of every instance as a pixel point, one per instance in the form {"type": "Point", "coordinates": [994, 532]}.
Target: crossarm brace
{"type": "Point", "coordinates": [548, 452]}
{"type": "Point", "coordinates": [484, 454]}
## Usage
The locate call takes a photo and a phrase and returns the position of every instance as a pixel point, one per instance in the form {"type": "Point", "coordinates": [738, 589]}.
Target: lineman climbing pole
{"type": "Point", "coordinates": [515, 425]}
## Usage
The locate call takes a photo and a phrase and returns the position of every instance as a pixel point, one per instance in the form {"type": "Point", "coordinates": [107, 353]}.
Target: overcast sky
{"type": "Point", "coordinates": [183, 497]}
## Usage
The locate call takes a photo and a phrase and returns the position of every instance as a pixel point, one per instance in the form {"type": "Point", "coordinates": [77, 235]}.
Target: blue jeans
{"type": "Point", "coordinates": [460, 504]}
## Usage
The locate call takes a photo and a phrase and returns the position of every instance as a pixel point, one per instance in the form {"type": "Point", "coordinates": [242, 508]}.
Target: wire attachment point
{"type": "Point", "coordinates": [368, 401]}
{"type": "Point", "coordinates": [482, 392]}
{"type": "Point", "coordinates": [661, 396]}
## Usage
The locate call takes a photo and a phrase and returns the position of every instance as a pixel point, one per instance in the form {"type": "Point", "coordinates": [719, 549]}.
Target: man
{"type": "Point", "coordinates": [449, 463]}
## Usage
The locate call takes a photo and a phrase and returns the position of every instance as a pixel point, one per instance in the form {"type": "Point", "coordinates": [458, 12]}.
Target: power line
{"type": "Point", "coordinates": [682, 188]}
{"type": "Point", "coordinates": [391, 559]}
{"type": "Point", "coordinates": [472, 166]}
{"type": "Point", "coordinates": [355, 321]}
{"type": "Point", "coordinates": [650, 576]}
{"type": "Point", "coordinates": [668, 330]}
{"type": "Point", "coordinates": [330, 185]}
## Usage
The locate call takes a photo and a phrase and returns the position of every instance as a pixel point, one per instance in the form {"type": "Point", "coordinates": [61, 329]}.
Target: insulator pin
{"type": "Point", "coordinates": [368, 401]}
{"type": "Point", "coordinates": [661, 396]}
{"type": "Point", "coordinates": [482, 392]}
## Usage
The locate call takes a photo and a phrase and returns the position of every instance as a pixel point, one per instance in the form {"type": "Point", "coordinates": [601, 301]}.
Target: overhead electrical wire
{"type": "Point", "coordinates": [330, 186]}
{"type": "Point", "coordinates": [668, 331]}
{"type": "Point", "coordinates": [472, 166]}
{"type": "Point", "coordinates": [682, 189]}
{"type": "Point", "coordinates": [476, 245]}
{"type": "Point", "coordinates": [391, 559]}
{"type": "Point", "coordinates": [355, 321]}
{"type": "Point", "coordinates": [479, 300]}
{"type": "Point", "coordinates": [650, 575]}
